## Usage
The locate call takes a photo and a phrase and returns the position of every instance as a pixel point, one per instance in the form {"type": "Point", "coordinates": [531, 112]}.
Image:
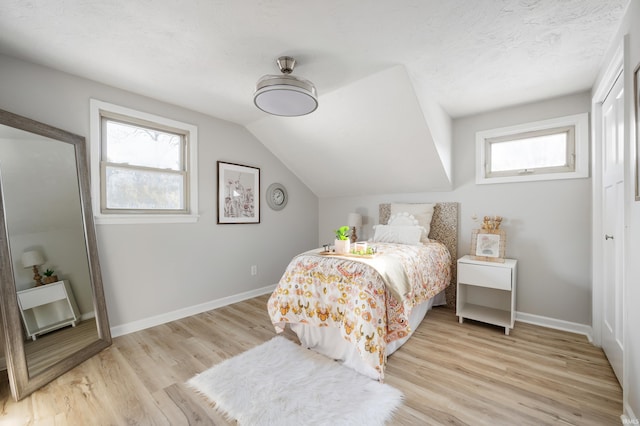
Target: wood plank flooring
{"type": "Point", "coordinates": [450, 373]}
{"type": "Point", "coordinates": [50, 348]}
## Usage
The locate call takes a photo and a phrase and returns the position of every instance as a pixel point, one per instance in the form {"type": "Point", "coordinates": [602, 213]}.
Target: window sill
{"type": "Point", "coordinates": [480, 180]}
{"type": "Point", "coordinates": [128, 219]}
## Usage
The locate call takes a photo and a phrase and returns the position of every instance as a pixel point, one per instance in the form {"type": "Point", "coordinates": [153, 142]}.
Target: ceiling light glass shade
{"type": "Point", "coordinates": [285, 95]}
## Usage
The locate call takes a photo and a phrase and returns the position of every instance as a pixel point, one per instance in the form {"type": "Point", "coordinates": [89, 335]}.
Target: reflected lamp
{"type": "Point", "coordinates": [33, 259]}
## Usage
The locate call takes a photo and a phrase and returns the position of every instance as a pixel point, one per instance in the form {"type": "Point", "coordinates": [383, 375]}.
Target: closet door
{"type": "Point", "coordinates": [613, 225]}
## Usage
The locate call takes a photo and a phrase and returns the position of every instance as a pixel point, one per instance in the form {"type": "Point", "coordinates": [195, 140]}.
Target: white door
{"type": "Point", "coordinates": [613, 222]}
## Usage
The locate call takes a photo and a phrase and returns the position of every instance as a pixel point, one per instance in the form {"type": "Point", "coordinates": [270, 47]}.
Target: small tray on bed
{"type": "Point", "coordinates": [361, 256]}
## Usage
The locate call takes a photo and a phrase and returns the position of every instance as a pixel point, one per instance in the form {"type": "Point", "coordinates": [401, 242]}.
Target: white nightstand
{"type": "Point", "coordinates": [48, 307]}
{"type": "Point", "coordinates": [487, 291]}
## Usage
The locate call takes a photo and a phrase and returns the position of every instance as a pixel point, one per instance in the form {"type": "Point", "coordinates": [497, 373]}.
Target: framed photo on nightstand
{"type": "Point", "coordinates": [488, 245]}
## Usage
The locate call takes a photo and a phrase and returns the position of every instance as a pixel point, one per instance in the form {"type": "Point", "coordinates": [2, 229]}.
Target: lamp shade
{"type": "Point", "coordinates": [32, 258]}
{"type": "Point", "coordinates": [355, 219]}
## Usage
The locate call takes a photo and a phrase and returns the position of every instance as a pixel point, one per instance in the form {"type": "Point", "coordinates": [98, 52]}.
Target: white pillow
{"type": "Point", "coordinates": [422, 212]}
{"type": "Point", "coordinates": [402, 234]}
{"type": "Point", "coordinates": [402, 219]}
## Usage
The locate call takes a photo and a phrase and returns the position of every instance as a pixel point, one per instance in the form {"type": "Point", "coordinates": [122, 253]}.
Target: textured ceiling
{"type": "Point", "coordinates": [466, 56]}
{"type": "Point", "coordinates": [385, 146]}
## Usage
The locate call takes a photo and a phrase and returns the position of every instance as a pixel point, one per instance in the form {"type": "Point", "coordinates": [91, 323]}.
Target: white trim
{"type": "Point", "coordinates": [95, 107]}
{"type": "Point", "coordinates": [134, 326]}
{"type": "Point", "coordinates": [146, 218]}
{"type": "Point", "coordinates": [142, 324]}
{"type": "Point", "coordinates": [87, 315]}
{"type": "Point", "coordinates": [628, 417]}
{"type": "Point", "coordinates": [579, 121]}
{"type": "Point", "coordinates": [572, 327]}
{"type": "Point", "coordinates": [629, 381]}
{"type": "Point", "coordinates": [612, 72]}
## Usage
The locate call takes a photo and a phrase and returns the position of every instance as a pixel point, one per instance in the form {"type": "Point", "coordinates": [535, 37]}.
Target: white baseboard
{"type": "Point", "coordinates": [557, 324]}
{"type": "Point", "coordinates": [134, 326]}
{"type": "Point", "coordinates": [629, 418]}
{"type": "Point", "coordinates": [87, 315]}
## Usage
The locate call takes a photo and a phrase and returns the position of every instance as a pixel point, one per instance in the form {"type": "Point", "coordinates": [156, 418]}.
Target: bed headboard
{"type": "Point", "coordinates": [444, 228]}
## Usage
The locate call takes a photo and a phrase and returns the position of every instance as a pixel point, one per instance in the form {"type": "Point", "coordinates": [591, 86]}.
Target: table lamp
{"type": "Point", "coordinates": [33, 258]}
{"type": "Point", "coordinates": [354, 220]}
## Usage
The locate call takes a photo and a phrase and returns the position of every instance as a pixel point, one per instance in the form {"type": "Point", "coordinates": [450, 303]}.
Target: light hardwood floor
{"type": "Point", "coordinates": [450, 373]}
{"type": "Point", "coordinates": [52, 347]}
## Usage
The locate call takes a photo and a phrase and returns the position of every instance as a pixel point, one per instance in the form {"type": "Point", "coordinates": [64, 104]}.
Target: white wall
{"type": "Point", "coordinates": [631, 381]}
{"type": "Point", "coordinates": [548, 223]}
{"type": "Point", "coordinates": [632, 288]}
{"type": "Point", "coordinates": [149, 270]}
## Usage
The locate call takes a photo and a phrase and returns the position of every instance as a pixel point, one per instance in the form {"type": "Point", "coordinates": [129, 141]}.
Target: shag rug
{"type": "Point", "coordinates": [281, 383]}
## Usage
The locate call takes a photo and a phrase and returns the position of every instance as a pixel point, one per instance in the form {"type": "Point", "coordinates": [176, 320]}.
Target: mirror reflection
{"type": "Point", "coordinates": [44, 221]}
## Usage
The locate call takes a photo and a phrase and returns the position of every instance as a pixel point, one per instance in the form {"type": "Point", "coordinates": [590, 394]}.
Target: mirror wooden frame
{"type": "Point", "coordinates": [22, 384]}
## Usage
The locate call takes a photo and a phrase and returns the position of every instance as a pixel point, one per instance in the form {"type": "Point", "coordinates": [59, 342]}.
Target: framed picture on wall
{"type": "Point", "coordinates": [238, 193]}
{"type": "Point", "coordinates": [636, 106]}
{"type": "Point", "coordinates": [488, 245]}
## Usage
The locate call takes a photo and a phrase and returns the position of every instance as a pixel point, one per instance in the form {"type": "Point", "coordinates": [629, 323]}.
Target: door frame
{"type": "Point", "coordinates": [604, 86]}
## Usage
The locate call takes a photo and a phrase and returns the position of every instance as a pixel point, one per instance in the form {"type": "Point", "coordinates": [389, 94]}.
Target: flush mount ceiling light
{"type": "Point", "coordinates": [285, 95]}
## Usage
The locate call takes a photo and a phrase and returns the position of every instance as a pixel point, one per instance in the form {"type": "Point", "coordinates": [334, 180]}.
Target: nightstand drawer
{"type": "Point", "coordinates": [42, 295]}
{"type": "Point", "coordinates": [484, 276]}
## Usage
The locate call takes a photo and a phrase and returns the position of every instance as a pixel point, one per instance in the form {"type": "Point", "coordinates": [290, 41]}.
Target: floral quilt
{"type": "Point", "coordinates": [343, 292]}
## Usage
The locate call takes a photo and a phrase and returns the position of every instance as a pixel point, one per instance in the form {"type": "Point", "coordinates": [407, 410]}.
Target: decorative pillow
{"type": "Point", "coordinates": [403, 219]}
{"type": "Point", "coordinates": [422, 212]}
{"type": "Point", "coordinates": [399, 234]}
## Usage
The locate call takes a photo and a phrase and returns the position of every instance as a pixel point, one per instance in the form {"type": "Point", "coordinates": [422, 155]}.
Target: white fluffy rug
{"type": "Point", "coordinates": [281, 383]}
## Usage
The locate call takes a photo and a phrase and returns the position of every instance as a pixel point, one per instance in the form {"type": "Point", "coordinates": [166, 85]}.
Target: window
{"type": "Point", "coordinates": [144, 167]}
{"type": "Point", "coordinates": [550, 149]}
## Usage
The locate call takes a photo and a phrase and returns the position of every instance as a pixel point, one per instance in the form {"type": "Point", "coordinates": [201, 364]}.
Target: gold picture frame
{"type": "Point", "coordinates": [488, 245]}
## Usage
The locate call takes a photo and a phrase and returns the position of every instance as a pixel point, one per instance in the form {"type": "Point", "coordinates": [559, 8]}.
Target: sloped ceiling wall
{"type": "Point", "coordinates": [342, 148]}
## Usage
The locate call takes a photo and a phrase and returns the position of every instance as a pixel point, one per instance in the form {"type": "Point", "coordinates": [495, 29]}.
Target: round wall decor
{"type": "Point", "coordinates": [277, 196]}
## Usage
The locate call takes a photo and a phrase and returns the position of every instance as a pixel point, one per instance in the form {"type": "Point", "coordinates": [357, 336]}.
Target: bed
{"type": "Point", "coordinates": [360, 309]}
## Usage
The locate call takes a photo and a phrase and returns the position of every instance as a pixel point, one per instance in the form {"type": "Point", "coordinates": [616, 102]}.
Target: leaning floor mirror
{"type": "Point", "coordinates": [53, 310]}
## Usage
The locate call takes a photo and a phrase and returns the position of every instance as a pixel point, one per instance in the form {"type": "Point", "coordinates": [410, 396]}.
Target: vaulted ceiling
{"type": "Point", "coordinates": [390, 75]}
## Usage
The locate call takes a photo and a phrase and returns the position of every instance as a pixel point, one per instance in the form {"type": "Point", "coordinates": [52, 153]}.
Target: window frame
{"type": "Point", "coordinates": [100, 110]}
{"type": "Point", "coordinates": [576, 125]}
{"type": "Point", "coordinates": [106, 118]}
